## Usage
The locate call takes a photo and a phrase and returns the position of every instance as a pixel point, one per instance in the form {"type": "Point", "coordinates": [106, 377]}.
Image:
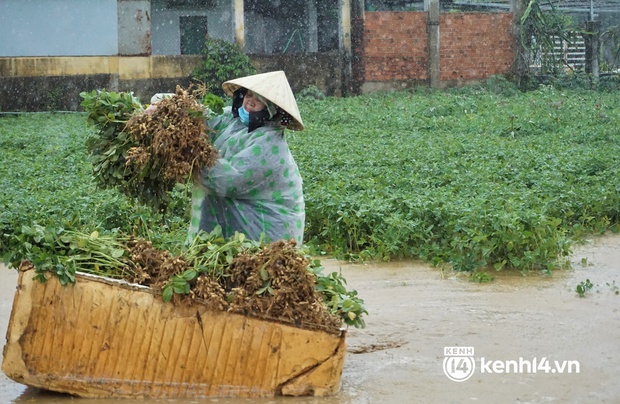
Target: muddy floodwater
{"type": "Point", "coordinates": [530, 339]}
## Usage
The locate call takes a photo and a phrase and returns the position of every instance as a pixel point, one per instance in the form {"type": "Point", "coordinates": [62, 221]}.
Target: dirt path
{"type": "Point", "coordinates": [416, 311]}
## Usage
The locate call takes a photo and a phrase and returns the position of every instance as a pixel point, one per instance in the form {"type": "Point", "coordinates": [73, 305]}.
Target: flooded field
{"type": "Point", "coordinates": [531, 339]}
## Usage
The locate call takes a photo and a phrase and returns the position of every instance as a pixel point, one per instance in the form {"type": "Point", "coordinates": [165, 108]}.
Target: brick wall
{"type": "Point", "coordinates": [394, 47]}
{"type": "Point", "coordinates": [475, 46]}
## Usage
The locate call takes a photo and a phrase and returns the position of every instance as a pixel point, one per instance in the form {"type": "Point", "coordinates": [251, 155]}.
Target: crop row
{"type": "Point", "coordinates": [466, 177]}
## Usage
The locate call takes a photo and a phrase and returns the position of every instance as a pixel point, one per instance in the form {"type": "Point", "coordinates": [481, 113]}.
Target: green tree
{"type": "Point", "coordinates": [539, 25]}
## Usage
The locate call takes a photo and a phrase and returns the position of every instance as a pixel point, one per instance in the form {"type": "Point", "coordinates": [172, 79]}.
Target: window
{"type": "Point", "coordinates": [291, 26]}
{"type": "Point", "coordinates": [193, 34]}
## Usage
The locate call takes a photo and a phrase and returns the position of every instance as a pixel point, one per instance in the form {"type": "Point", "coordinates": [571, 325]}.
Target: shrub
{"type": "Point", "coordinates": [311, 93]}
{"type": "Point", "coordinates": [222, 61]}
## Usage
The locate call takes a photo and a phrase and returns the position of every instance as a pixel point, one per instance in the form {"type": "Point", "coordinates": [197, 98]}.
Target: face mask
{"type": "Point", "coordinates": [244, 115]}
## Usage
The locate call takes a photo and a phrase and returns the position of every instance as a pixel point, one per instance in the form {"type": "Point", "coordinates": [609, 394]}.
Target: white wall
{"type": "Point", "coordinates": [58, 27]}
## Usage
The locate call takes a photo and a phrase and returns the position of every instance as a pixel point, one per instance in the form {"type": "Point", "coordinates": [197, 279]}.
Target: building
{"type": "Point", "coordinates": [51, 51]}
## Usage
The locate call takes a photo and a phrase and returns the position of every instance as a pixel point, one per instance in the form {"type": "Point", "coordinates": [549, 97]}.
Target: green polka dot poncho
{"type": "Point", "coordinates": [255, 186]}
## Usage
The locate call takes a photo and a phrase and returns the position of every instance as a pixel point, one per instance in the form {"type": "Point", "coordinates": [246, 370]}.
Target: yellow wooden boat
{"type": "Point", "coordinates": [107, 338]}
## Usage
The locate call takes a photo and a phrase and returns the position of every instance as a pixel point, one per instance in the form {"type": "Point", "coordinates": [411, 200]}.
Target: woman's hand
{"type": "Point", "coordinates": [155, 100]}
{"type": "Point", "coordinates": [150, 109]}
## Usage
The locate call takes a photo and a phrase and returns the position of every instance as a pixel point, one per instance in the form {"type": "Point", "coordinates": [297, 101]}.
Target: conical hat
{"type": "Point", "coordinates": [272, 86]}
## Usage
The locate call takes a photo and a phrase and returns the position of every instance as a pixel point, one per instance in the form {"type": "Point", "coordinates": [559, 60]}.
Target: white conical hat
{"type": "Point", "coordinates": [272, 86]}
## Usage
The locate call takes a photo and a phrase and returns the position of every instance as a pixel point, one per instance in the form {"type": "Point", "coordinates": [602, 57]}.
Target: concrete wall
{"type": "Point", "coordinates": [58, 27]}
{"type": "Point", "coordinates": [45, 84]}
{"type": "Point", "coordinates": [323, 70]}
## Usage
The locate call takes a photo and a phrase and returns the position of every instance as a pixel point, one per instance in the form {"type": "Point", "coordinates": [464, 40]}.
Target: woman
{"type": "Point", "coordinates": [255, 187]}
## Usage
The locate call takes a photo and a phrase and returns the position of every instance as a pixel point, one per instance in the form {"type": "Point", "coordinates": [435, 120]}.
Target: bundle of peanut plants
{"type": "Point", "coordinates": [144, 155]}
{"type": "Point", "coordinates": [275, 280]}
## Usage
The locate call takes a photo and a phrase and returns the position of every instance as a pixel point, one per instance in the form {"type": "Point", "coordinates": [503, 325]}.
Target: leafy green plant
{"type": "Point", "coordinates": [40, 246]}
{"type": "Point", "coordinates": [60, 252]}
{"type": "Point", "coordinates": [179, 284]}
{"type": "Point", "coordinates": [584, 287]}
{"type": "Point", "coordinates": [222, 61]}
{"type": "Point", "coordinates": [109, 112]}
{"type": "Point", "coordinates": [540, 25]}
{"type": "Point", "coordinates": [452, 178]}
{"type": "Point", "coordinates": [209, 253]}
{"type": "Point", "coordinates": [311, 93]}
{"type": "Point", "coordinates": [481, 277]}
{"type": "Point", "coordinates": [338, 299]}
{"type": "Point", "coordinates": [54, 97]}
{"type": "Point", "coordinates": [466, 178]}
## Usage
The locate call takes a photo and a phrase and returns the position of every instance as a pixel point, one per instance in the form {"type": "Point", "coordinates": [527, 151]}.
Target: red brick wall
{"type": "Point", "coordinates": [394, 46]}
{"type": "Point", "coordinates": [475, 45]}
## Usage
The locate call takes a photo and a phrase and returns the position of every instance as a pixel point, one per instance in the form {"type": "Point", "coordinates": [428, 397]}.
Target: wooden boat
{"type": "Point", "coordinates": [107, 338]}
